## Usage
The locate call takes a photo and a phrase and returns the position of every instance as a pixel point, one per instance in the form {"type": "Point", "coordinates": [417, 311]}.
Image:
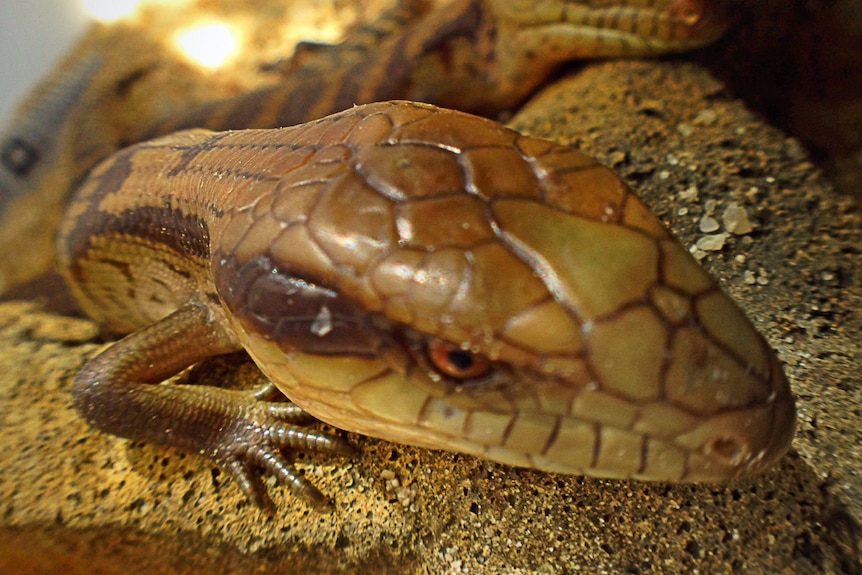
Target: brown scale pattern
{"type": "Point", "coordinates": [483, 56]}
{"type": "Point", "coordinates": [614, 354]}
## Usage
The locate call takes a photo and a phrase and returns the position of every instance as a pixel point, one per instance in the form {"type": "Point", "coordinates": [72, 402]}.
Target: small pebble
{"type": "Point", "coordinates": [753, 194]}
{"type": "Point", "coordinates": [617, 158]}
{"type": "Point", "coordinates": [709, 206]}
{"type": "Point", "coordinates": [705, 118]}
{"type": "Point", "coordinates": [735, 219]}
{"type": "Point", "coordinates": [708, 224]}
{"type": "Point", "coordinates": [685, 130]}
{"type": "Point", "coordinates": [712, 243]}
{"type": "Point", "coordinates": [689, 194]}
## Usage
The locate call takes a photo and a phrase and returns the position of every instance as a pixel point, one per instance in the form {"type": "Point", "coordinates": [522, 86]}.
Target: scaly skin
{"type": "Point", "coordinates": [422, 276]}
{"type": "Point", "coordinates": [475, 55]}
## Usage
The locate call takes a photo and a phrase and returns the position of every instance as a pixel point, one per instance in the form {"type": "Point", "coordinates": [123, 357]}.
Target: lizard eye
{"type": "Point", "coordinates": [454, 362]}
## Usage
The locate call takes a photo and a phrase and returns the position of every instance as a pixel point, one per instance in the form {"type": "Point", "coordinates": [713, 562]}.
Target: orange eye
{"type": "Point", "coordinates": [452, 361]}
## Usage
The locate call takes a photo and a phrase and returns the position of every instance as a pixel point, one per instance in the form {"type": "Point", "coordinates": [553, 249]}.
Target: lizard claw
{"type": "Point", "coordinates": [254, 443]}
{"type": "Point", "coordinates": [244, 472]}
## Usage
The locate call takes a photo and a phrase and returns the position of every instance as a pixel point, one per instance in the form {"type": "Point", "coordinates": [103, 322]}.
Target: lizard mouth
{"type": "Point", "coordinates": [703, 19]}
{"type": "Point", "coordinates": [654, 26]}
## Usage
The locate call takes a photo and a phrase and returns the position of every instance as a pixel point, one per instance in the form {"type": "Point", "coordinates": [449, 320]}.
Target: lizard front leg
{"type": "Point", "coordinates": [118, 392]}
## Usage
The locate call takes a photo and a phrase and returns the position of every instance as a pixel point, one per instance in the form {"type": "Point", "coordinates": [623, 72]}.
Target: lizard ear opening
{"type": "Point", "coordinates": [297, 312]}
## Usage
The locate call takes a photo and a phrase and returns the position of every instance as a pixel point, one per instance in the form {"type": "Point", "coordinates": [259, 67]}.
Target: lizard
{"type": "Point", "coordinates": [310, 249]}
{"type": "Point", "coordinates": [418, 275]}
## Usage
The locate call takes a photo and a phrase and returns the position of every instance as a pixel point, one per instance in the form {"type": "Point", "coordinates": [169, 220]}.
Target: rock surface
{"type": "Point", "coordinates": [78, 501]}
{"type": "Point", "coordinates": [799, 63]}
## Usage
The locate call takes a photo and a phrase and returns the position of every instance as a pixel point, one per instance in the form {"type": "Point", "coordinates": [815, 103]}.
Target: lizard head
{"type": "Point", "coordinates": [434, 278]}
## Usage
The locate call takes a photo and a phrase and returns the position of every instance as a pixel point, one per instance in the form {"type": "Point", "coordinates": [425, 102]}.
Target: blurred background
{"type": "Point", "coordinates": [797, 63]}
{"type": "Point", "coordinates": [33, 35]}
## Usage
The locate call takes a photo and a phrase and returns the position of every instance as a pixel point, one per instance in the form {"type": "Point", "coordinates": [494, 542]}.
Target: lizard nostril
{"type": "Point", "coordinates": [731, 449]}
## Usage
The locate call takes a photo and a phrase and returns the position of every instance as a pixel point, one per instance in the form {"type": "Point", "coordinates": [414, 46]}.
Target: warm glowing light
{"type": "Point", "coordinates": [111, 10]}
{"type": "Point", "coordinates": [209, 45]}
